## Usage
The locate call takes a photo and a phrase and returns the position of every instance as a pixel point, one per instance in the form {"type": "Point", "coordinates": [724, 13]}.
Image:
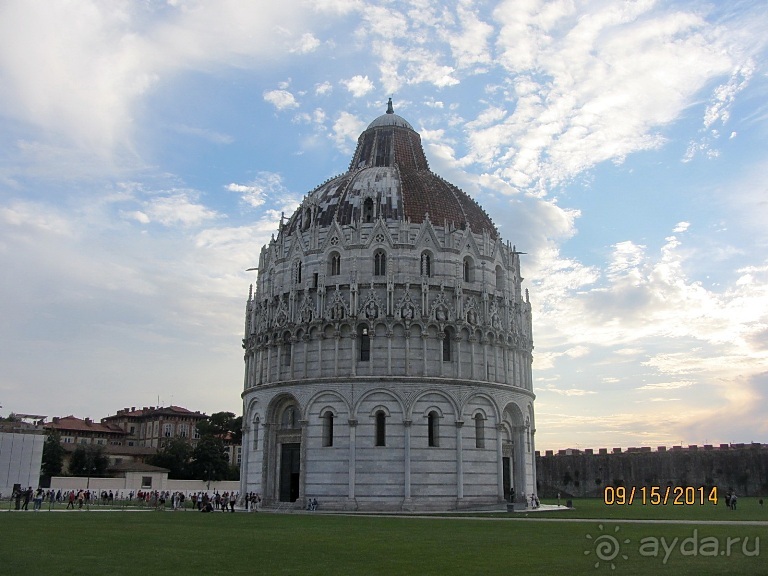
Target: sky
{"type": "Point", "coordinates": [148, 149]}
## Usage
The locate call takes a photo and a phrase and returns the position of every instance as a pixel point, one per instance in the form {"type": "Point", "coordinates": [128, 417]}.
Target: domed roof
{"type": "Point", "coordinates": [390, 119]}
{"type": "Point", "coordinates": [389, 178]}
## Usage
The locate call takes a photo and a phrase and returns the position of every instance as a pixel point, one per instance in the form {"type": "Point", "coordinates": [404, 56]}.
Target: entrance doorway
{"type": "Point", "coordinates": [290, 469]}
{"type": "Point", "coordinates": [507, 478]}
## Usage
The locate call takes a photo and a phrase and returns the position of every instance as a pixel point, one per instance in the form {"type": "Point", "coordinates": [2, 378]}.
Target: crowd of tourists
{"type": "Point", "coordinates": [158, 499]}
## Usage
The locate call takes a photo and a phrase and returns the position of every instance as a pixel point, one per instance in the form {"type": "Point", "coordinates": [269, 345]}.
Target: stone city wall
{"type": "Point", "coordinates": [586, 473]}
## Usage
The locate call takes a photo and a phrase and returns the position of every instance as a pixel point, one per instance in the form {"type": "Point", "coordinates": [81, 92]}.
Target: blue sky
{"type": "Point", "coordinates": [147, 150]}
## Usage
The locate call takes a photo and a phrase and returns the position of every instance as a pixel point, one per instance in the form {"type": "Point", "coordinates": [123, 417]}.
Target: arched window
{"type": "Point", "coordinates": [446, 345]}
{"type": "Point", "coordinates": [286, 349]}
{"type": "Point", "coordinates": [426, 264]}
{"type": "Point", "coordinates": [365, 343]}
{"type": "Point", "coordinates": [328, 428]}
{"type": "Point", "coordinates": [256, 423]}
{"type": "Point", "coordinates": [379, 263]}
{"type": "Point", "coordinates": [297, 273]}
{"type": "Point", "coordinates": [469, 269]}
{"type": "Point", "coordinates": [334, 264]}
{"type": "Point", "coordinates": [368, 210]}
{"type": "Point", "coordinates": [499, 278]}
{"type": "Point", "coordinates": [381, 428]}
{"type": "Point", "coordinates": [432, 429]}
{"type": "Point", "coordinates": [479, 431]}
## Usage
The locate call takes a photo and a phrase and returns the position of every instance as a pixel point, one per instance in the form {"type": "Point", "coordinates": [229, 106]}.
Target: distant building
{"type": "Point", "coordinates": [21, 452]}
{"type": "Point", "coordinates": [74, 431]}
{"type": "Point", "coordinates": [132, 435]}
{"type": "Point", "coordinates": [153, 426]}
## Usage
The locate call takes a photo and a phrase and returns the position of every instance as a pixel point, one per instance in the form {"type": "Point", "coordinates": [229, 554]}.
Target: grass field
{"type": "Point", "coordinates": [164, 543]}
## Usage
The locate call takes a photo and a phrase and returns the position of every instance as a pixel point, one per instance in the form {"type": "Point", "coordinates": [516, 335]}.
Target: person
{"type": "Point", "coordinates": [38, 499]}
{"type": "Point", "coordinates": [558, 499]}
{"type": "Point", "coordinates": [314, 503]}
{"type": "Point", "coordinates": [207, 507]}
{"type": "Point", "coordinates": [71, 500]}
{"type": "Point", "coordinates": [232, 500]}
{"type": "Point", "coordinates": [27, 498]}
{"type": "Point", "coordinates": [733, 501]}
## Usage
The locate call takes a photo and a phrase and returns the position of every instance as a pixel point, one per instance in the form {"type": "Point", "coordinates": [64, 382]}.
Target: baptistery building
{"type": "Point", "coordinates": [388, 345]}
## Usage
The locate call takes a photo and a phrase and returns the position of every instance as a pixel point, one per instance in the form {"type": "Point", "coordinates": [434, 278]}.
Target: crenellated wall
{"type": "Point", "coordinates": [743, 468]}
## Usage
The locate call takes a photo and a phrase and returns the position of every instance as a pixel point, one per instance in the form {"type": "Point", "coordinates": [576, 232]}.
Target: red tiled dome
{"type": "Point", "coordinates": [389, 167]}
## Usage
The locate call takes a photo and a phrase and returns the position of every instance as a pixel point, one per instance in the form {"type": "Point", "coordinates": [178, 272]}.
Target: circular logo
{"type": "Point", "coordinates": [606, 547]}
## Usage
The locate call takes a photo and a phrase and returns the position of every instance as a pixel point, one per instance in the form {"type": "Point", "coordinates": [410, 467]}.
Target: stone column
{"type": "Point", "coordinates": [424, 336]}
{"type": "Point", "coordinates": [500, 460]}
{"type": "Point", "coordinates": [458, 356]}
{"type": "Point", "coordinates": [472, 356]}
{"type": "Point", "coordinates": [407, 463]}
{"type": "Point", "coordinates": [268, 375]}
{"type": "Point", "coordinates": [268, 463]}
{"type": "Point", "coordinates": [336, 338]}
{"type": "Point", "coordinates": [352, 461]}
{"type": "Point", "coordinates": [245, 444]}
{"type": "Point", "coordinates": [441, 338]}
{"type": "Point", "coordinates": [459, 461]}
{"type": "Point", "coordinates": [407, 352]}
{"type": "Point", "coordinates": [320, 338]}
{"type": "Point", "coordinates": [303, 456]}
{"type": "Point", "coordinates": [371, 342]}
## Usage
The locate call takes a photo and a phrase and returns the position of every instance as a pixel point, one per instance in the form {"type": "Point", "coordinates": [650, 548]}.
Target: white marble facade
{"type": "Point", "coordinates": [387, 356]}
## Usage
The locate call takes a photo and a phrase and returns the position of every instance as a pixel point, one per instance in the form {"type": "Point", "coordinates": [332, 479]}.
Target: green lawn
{"type": "Point", "coordinates": [158, 543]}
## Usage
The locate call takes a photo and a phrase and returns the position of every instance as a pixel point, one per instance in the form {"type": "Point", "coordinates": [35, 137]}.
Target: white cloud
{"type": "Point", "coordinates": [76, 71]}
{"type": "Point", "coordinates": [346, 129]}
{"type": "Point", "coordinates": [307, 43]}
{"type": "Point", "coordinates": [358, 85]}
{"type": "Point", "coordinates": [593, 85]}
{"type": "Point", "coordinates": [178, 208]}
{"type": "Point", "coordinates": [323, 88]}
{"type": "Point", "coordinates": [667, 385]}
{"type": "Point", "coordinates": [266, 186]}
{"type": "Point", "coordinates": [205, 133]}
{"type": "Point", "coordinates": [471, 45]}
{"type": "Point", "coordinates": [280, 99]}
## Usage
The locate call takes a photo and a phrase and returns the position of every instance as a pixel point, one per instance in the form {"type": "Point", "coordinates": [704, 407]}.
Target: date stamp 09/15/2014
{"type": "Point", "coordinates": [660, 495]}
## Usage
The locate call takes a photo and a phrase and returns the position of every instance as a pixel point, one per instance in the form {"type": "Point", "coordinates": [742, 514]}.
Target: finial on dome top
{"type": "Point", "coordinates": [390, 110]}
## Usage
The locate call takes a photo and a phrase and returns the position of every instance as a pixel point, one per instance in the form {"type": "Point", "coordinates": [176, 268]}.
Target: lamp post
{"type": "Point", "coordinates": [91, 468]}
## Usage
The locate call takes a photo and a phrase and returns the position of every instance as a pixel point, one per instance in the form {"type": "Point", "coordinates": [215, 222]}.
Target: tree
{"type": "Point", "coordinates": [88, 460]}
{"type": "Point", "coordinates": [209, 459]}
{"type": "Point", "coordinates": [176, 456]}
{"type": "Point", "coordinates": [53, 455]}
{"type": "Point", "coordinates": [223, 425]}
